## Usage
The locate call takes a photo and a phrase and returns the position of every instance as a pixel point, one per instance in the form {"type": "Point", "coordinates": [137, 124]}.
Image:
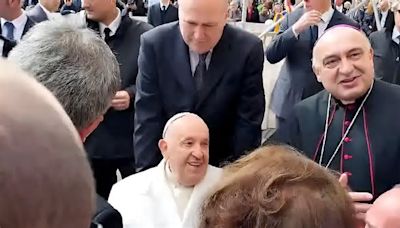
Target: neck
{"type": "Point", "coordinates": [165, 2]}
{"type": "Point", "coordinates": [347, 102]}
{"type": "Point", "coordinates": [13, 15]}
{"type": "Point", "coordinates": [110, 18]}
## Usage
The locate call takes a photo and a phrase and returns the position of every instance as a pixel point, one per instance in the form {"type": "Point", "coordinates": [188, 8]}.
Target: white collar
{"type": "Point", "coordinates": [327, 16]}
{"type": "Point", "coordinates": [17, 22]}
{"type": "Point", "coordinates": [395, 35]}
{"type": "Point", "coordinates": [113, 26]}
{"type": "Point", "coordinates": [162, 4]}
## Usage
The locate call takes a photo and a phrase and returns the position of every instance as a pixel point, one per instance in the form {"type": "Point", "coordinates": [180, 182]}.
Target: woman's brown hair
{"type": "Point", "coordinates": [276, 186]}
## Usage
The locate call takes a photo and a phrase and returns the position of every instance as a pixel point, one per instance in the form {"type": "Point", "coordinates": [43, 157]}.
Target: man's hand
{"type": "Point", "coordinates": [121, 100]}
{"type": "Point", "coordinates": [358, 198]}
{"type": "Point", "coordinates": [308, 19]}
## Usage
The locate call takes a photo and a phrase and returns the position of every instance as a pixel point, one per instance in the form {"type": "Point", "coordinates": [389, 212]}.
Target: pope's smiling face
{"type": "Point", "coordinates": [185, 147]}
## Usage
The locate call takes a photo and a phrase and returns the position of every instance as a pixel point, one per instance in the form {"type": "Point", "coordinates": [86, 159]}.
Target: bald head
{"type": "Point", "coordinates": [337, 35]}
{"type": "Point", "coordinates": [385, 212]}
{"type": "Point", "coordinates": [44, 174]}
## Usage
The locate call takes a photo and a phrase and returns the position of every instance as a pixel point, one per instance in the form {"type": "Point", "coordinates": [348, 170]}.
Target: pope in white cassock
{"type": "Point", "coordinates": [170, 195]}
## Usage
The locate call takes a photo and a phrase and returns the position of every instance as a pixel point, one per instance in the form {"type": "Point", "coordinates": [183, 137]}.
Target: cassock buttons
{"type": "Point", "coordinates": [347, 157]}
{"type": "Point", "coordinates": [347, 139]}
{"type": "Point", "coordinates": [346, 123]}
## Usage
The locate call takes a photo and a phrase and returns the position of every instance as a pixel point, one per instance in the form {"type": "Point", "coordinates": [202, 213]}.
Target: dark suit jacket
{"type": "Point", "coordinates": [155, 17]}
{"type": "Point", "coordinates": [386, 56]}
{"type": "Point", "coordinates": [26, 3]}
{"type": "Point", "coordinates": [113, 138]}
{"type": "Point", "coordinates": [37, 14]}
{"type": "Point", "coordinates": [232, 102]}
{"type": "Point", "coordinates": [296, 79]}
{"type": "Point", "coordinates": [106, 215]}
{"type": "Point", "coordinates": [306, 129]}
{"type": "Point", "coordinates": [9, 45]}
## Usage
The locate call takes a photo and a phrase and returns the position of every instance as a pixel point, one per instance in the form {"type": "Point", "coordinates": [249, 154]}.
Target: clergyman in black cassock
{"type": "Point", "coordinates": [360, 136]}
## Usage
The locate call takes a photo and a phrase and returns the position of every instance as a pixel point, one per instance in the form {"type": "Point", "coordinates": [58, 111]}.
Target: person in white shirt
{"type": "Point", "coordinates": [44, 10]}
{"type": "Point", "coordinates": [171, 194]}
{"type": "Point", "coordinates": [14, 23]}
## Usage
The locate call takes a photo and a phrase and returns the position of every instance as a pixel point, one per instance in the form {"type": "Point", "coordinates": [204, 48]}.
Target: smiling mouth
{"type": "Point", "coordinates": [195, 164]}
{"type": "Point", "coordinates": [348, 80]}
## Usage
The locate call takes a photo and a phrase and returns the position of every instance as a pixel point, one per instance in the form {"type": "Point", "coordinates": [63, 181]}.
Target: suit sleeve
{"type": "Point", "coordinates": [374, 40]}
{"type": "Point", "coordinates": [149, 115]}
{"type": "Point", "coordinates": [150, 17]}
{"type": "Point", "coordinates": [251, 104]}
{"type": "Point", "coordinates": [280, 46]}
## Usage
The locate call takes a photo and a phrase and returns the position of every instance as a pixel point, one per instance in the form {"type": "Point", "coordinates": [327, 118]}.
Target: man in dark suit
{"type": "Point", "coordinates": [110, 147]}
{"type": "Point", "coordinates": [295, 41]}
{"type": "Point", "coordinates": [162, 13]}
{"type": "Point", "coordinates": [29, 4]}
{"type": "Point", "coordinates": [201, 65]}
{"type": "Point", "coordinates": [42, 10]}
{"type": "Point", "coordinates": [14, 23]}
{"type": "Point", "coordinates": [85, 81]}
{"type": "Point", "coordinates": [386, 45]}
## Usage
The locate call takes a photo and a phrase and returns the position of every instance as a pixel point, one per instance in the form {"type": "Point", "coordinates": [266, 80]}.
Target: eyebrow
{"type": "Point", "coordinates": [336, 55]}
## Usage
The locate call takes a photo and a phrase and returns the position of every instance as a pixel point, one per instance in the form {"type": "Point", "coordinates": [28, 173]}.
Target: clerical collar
{"type": "Point", "coordinates": [351, 106]}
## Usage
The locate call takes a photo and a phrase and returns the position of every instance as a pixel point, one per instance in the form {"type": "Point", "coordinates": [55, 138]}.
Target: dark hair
{"type": "Point", "coordinates": [277, 187]}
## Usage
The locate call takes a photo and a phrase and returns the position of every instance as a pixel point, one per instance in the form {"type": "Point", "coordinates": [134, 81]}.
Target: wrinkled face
{"type": "Point", "coordinates": [319, 5]}
{"type": "Point", "coordinates": [97, 10]}
{"type": "Point", "coordinates": [343, 63]}
{"type": "Point", "coordinates": [186, 150]}
{"type": "Point", "coordinates": [202, 23]}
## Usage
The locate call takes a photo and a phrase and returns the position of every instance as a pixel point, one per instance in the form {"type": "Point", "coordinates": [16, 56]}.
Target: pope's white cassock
{"type": "Point", "coordinates": [153, 199]}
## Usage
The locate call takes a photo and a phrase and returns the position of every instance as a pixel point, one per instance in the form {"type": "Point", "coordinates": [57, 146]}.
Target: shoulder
{"type": "Point", "coordinates": [310, 104]}
{"type": "Point", "coordinates": [340, 18]}
{"type": "Point", "coordinates": [163, 33]}
{"type": "Point", "coordinates": [134, 184]}
{"type": "Point", "coordinates": [137, 26]}
{"type": "Point", "coordinates": [388, 91]}
{"type": "Point", "coordinates": [240, 37]}
{"type": "Point", "coordinates": [383, 34]}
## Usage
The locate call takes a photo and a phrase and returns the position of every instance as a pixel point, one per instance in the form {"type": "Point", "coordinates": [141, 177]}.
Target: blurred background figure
{"type": "Point", "coordinates": [44, 10]}
{"type": "Point", "coordinates": [46, 178]}
{"type": "Point", "coordinates": [252, 12]}
{"type": "Point", "coordinates": [276, 186]}
{"type": "Point", "coordinates": [162, 13]}
{"type": "Point", "coordinates": [234, 12]}
{"type": "Point", "coordinates": [265, 10]}
{"type": "Point", "coordinates": [386, 45]}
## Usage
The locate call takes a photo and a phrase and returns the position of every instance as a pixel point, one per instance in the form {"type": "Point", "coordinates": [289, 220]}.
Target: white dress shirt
{"type": "Point", "coordinates": [162, 4]}
{"type": "Point", "coordinates": [113, 26]}
{"type": "Point", "coordinates": [1, 47]}
{"type": "Point", "coordinates": [396, 35]}
{"type": "Point", "coordinates": [383, 18]}
{"type": "Point", "coordinates": [49, 14]}
{"type": "Point", "coordinates": [19, 26]}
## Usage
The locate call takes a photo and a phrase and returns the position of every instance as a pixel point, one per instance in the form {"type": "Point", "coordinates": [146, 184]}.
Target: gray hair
{"type": "Point", "coordinates": [75, 64]}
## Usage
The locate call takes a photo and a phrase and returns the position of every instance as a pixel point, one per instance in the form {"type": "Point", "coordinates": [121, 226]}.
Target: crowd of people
{"type": "Point", "coordinates": [175, 106]}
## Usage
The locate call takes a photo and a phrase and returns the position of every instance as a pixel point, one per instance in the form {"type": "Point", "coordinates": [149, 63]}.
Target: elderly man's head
{"type": "Point", "coordinates": [385, 212]}
{"type": "Point", "coordinates": [185, 147]}
{"type": "Point", "coordinates": [75, 65]}
{"type": "Point", "coordinates": [343, 63]}
{"type": "Point", "coordinates": [202, 23]}
{"type": "Point", "coordinates": [45, 178]}
{"type": "Point", "coordinates": [276, 186]}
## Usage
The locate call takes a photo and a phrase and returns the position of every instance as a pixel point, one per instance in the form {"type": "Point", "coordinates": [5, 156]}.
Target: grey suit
{"type": "Point", "coordinates": [37, 14]}
{"type": "Point", "coordinates": [296, 80]}
{"type": "Point", "coordinates": [386, 56]}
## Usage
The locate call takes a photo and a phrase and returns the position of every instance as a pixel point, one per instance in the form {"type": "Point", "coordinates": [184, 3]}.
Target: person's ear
{"type": "Point", "coordinates": [84, 133]}
{"type": "Point", "coordinates": [163, 146]}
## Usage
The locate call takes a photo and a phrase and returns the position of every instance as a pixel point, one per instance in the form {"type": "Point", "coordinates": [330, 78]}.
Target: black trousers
{"type": "Point", "coordinates": [104, 172]}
